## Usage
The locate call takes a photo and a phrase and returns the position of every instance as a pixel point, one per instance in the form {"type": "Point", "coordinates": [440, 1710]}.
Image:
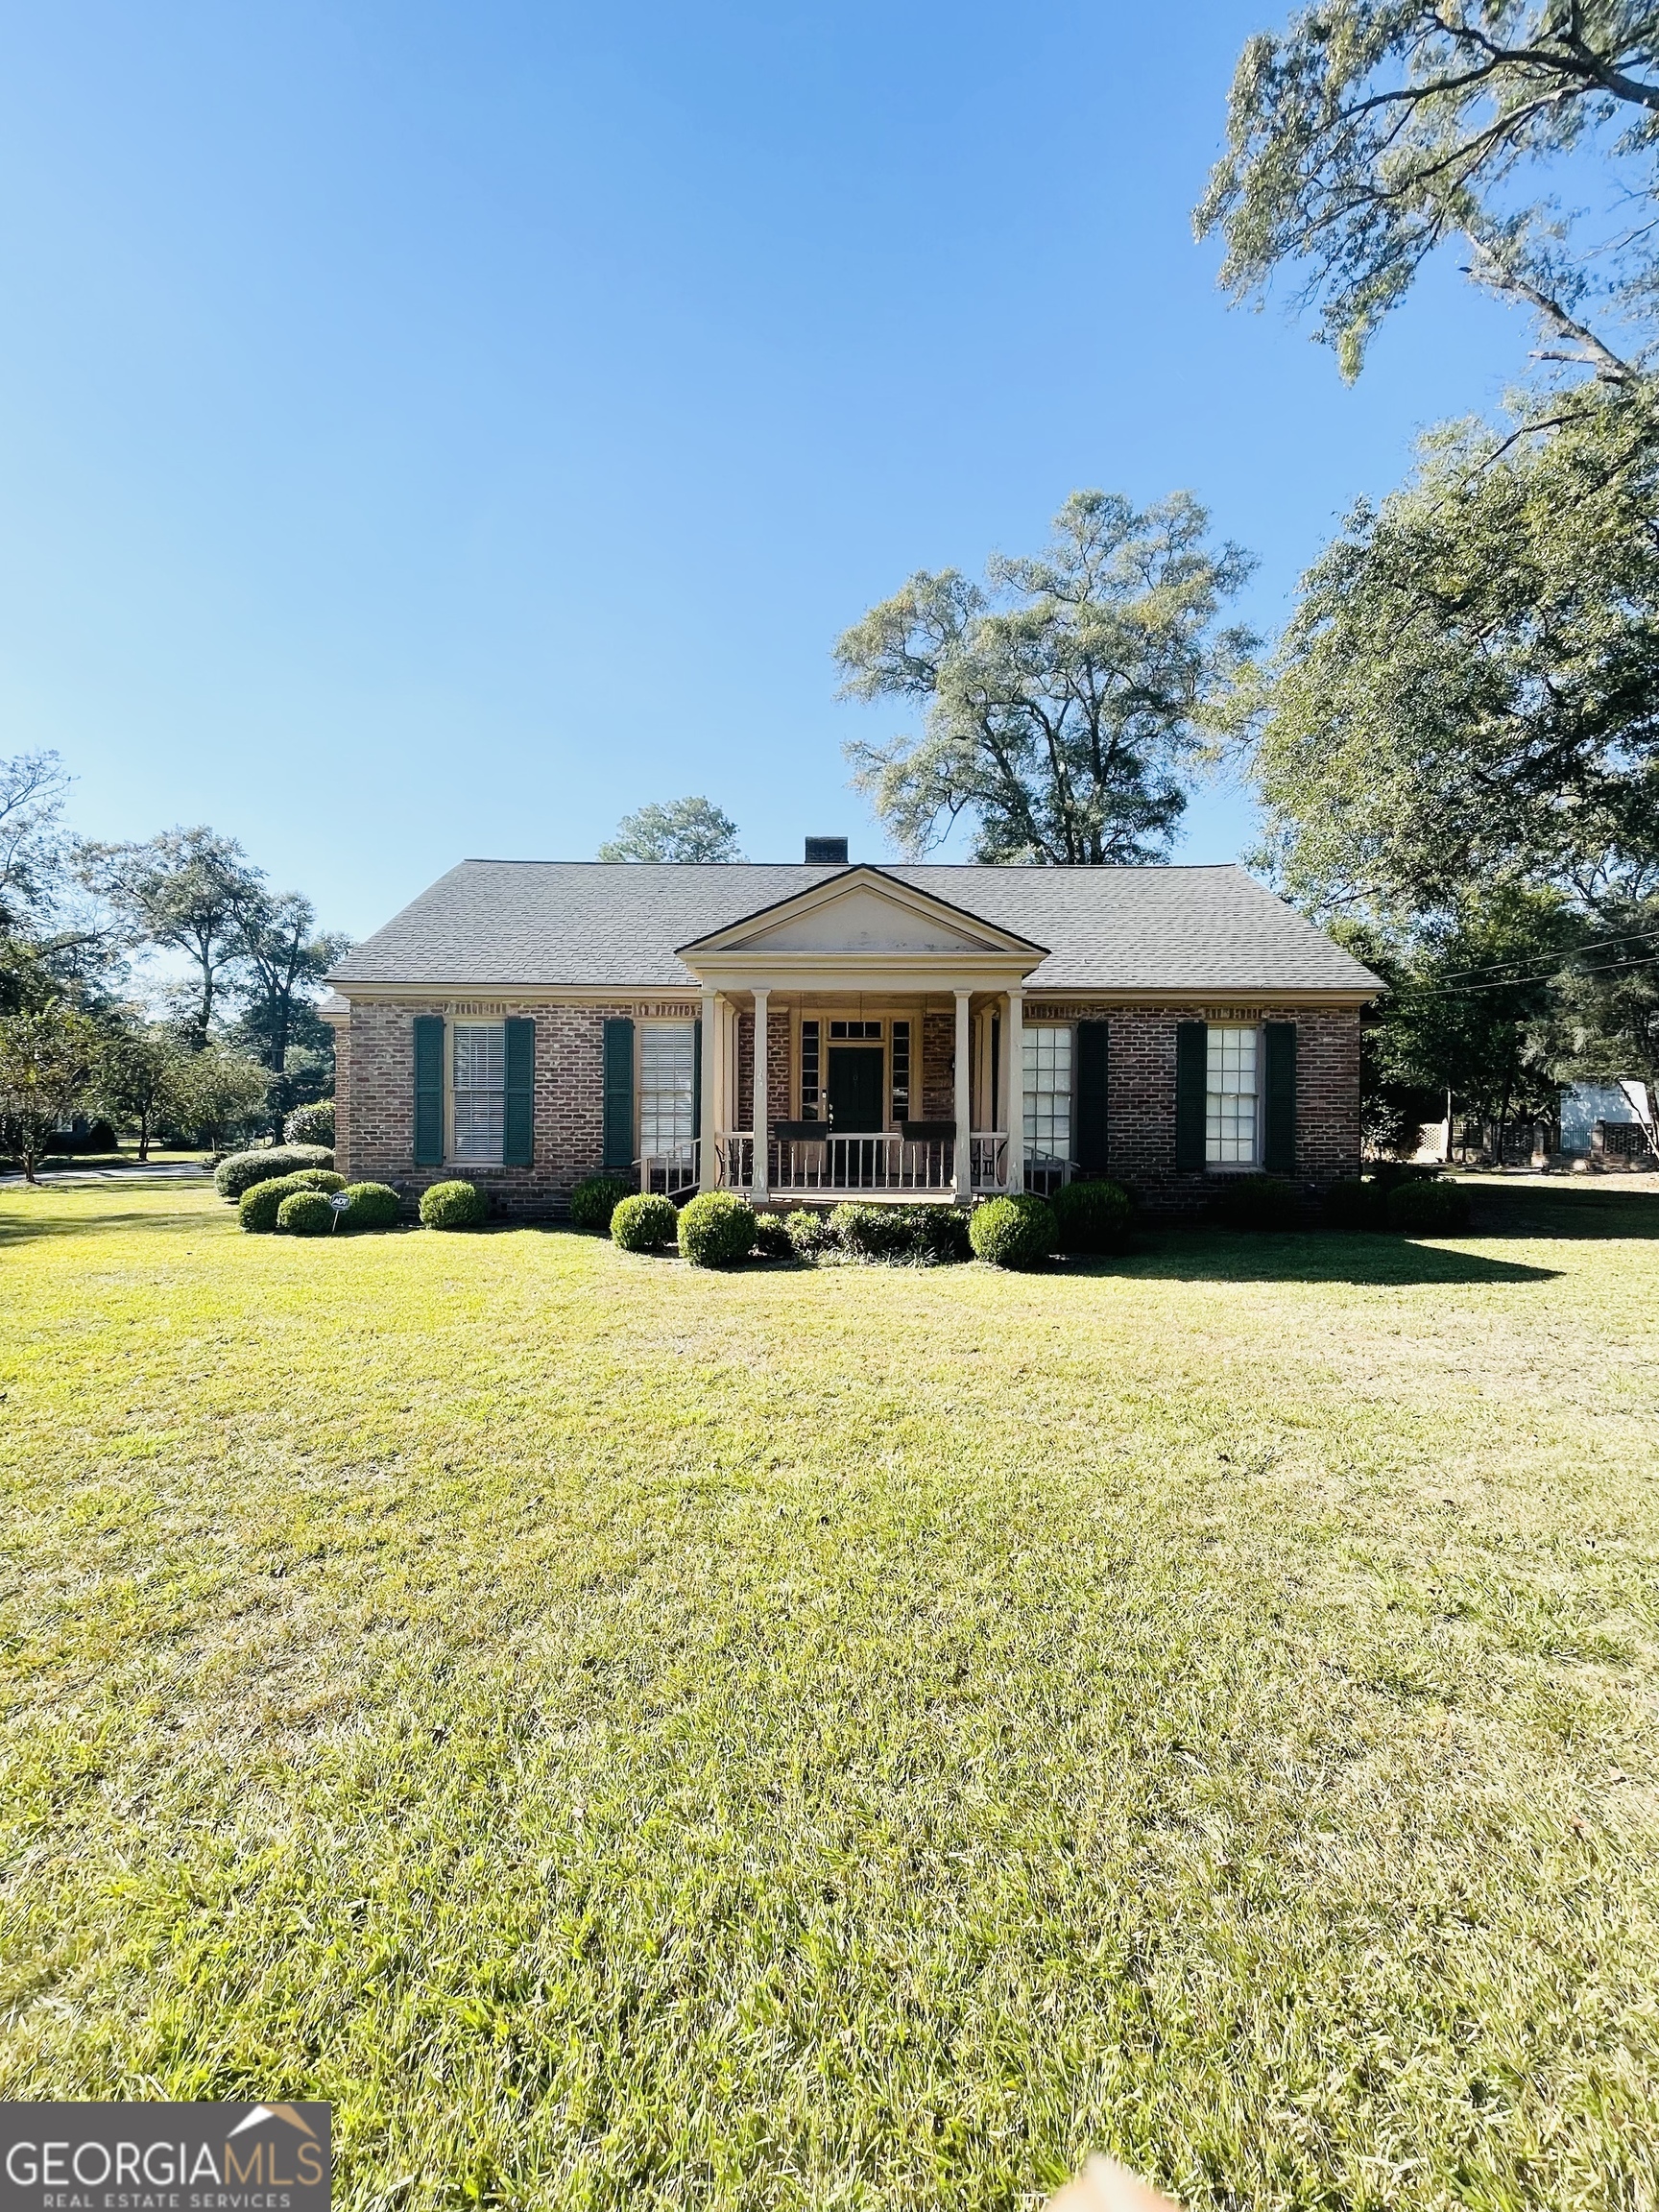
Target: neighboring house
{"type": "Point", "coordinates": [1608, 1124]}
{"type": "Point", "coordinates": [809, 1033]}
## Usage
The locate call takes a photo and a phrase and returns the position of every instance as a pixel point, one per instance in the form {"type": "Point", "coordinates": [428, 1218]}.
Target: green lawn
{"type": "Point", "coordinates": [633, 1738]}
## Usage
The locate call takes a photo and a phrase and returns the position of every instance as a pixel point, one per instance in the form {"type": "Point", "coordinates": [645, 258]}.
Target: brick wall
{"type": "Point", "coordinates": [938, 1101]}
{"type": "Point", "coordinates": [779, 1069]}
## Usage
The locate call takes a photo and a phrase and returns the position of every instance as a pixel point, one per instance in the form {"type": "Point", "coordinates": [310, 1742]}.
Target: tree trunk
{"type": "Point", "coordinates": [143, 1136]}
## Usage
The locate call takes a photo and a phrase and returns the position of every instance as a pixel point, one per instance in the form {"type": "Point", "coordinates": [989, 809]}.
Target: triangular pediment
{"type": "Point", "coordinates": [864, 911]}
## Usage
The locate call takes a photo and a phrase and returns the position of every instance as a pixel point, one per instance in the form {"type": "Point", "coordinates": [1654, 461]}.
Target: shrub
{"type": "Point", "coordinates": [1092, 1216]}
{"type": "Point", "coordinates": [772, 1238]}
{"type": "Point", "coordinates": [809, 1232]}
{"type": "Point", "coordinates": [596, 1199]}
{"type": "Point", "coordinates": [1257, 1202]}
{"type": "Point", "coordinates": [453, 1205]}
{"type": "Point", "coordinates": [374, 1206]}
{"type": "Point", "coordinates": [1435, 1208]}
{"type": "Point", "coordinates": [1013, 1232]}
{"type": "Point", "coordinates": [644, 1222]}
{"type": "Point", "coordinates": [716, 1228]}
{"type": "Point", "coordinates": [239, 1171]}
{"type": "Point", "coordinates": [868, 1232]}
{"type": "Point", "coordinates": [305, 1214]}
{"type": "Point", "coordinates": [310, 1124]}
{"type": "Point", "coordinates": [939, 1233]}
{"type": "Point", "coordinates": [1356, 1203]}
{"type": "Point", "coordinates": [258, 1206]}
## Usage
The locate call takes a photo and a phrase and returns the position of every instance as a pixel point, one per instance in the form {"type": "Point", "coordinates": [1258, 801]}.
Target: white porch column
{"type": "Point", "coordinates": [1014, 1090]}
{"type": "Point", "coordinates": [708, 1103]}
{"type": "Point", "coordinates": [759, 1190]}
{"type": "Point", "coordinates": [964, 1099]}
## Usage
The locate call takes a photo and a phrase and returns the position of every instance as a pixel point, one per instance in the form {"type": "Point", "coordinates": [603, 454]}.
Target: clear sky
{"type": "Point", "coordinates": [435, 429]}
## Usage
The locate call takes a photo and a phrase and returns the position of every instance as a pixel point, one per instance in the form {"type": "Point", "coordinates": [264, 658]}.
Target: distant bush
{"type": "Point", "coordinates": [239, 1171]}
{"type": "Point", "coordinates": [644, 1222]}
{"type": "Point", "coordinates": [453, 1205]}
{"type": "Point", "coordinates": [257, 1208]}
{"type": "Point", "coordinates": [310, 1124]}
{"type": "Point", "coordinates": [809, 1232]}
{"type": "Point", "coordinates": [772, 1238]}
{"type": "Point", "coordinates": [1433, 1209]}
{"type": "Point", "coordinates": [716, 1228]}
{"type": "Point", "coordinates": [305, 1214]}
{"type": "Point", "coordinates": [1255, 1202]}
{"type": "Point", "coordinates": [1092, 1216]}
{"type": "Point", "coordinates": [374, 1206]}
{"type": "Point", "coordinates": [102, 1138]}
{"type": "Point", "coordinates": [595, 1199]}
{"type": "Point", "coordinates": [1013, 1232]}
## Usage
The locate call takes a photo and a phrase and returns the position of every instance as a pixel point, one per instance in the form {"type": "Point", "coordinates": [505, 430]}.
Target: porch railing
{"type": "Point", "coordinates": [673, 1171]}
{"type": "Point", "coordinates": [882, 1161]}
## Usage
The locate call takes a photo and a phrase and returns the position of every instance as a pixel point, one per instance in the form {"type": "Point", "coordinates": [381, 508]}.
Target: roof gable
{"type": "Point", "coordinates": [864, 911]}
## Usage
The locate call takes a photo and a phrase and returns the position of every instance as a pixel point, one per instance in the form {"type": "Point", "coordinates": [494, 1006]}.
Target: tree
{"type": "Point", "coordinates": [220, 1091]}
{"type": "Point", "coordinates": [1604, 1023]}
{"type": "Point", "coordinates": [187, 890]}
{"type": "Point", "coordinates": [143, 1075]}
{"type": "Point", "coordinates": [1469, 688]}
{"type": "Point", "coordinates": [285, 959]}
{"type": "Point", "coordinates": [46, 1062]}
{"type": "Point", "coordinates": [1062, 699]}
{"type": "Point", "coordinates": [47, 951]}
{"type": "Point", "coordinates": [682, 829]}
{"type": "Point", "coordinates": [1375, 130]}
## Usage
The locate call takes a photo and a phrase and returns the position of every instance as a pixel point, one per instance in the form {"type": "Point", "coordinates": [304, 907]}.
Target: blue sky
{"type": "Point", "coordinates": [429, 430]}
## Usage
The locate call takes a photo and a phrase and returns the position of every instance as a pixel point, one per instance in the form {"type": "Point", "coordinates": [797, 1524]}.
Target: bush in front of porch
{"type": "Point", "coordinates": [717, 1229]}
{"type": "Point", "coordinates": [921, 1236]}
{"type": "Point", "coordinates": [1013, 1232]}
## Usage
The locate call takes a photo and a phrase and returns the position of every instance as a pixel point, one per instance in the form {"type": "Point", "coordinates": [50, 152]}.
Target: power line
{"type": "Point", "coordinates": [1514, 982]}
{"type": "Point", "coordinates": [1521, 959]}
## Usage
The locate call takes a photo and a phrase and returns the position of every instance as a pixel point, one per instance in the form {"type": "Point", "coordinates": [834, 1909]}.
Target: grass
{"type": "Point", "coordinates": [844, 1739]}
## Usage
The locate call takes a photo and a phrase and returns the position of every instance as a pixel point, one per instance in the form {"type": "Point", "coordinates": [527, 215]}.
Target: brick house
{"type": "Point", "coordinates": [807, 1033]}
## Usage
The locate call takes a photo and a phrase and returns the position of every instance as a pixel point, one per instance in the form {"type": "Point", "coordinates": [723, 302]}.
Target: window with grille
{"type": "Point", "coordinates": [852, 1032]}
{"type": "Point", "coordinates": [667, 1085]}
{"type": "Point", "coordinates": [478, 1089]}
{"type": "Point", "coordinates": [901, 1070]}
{"type": "Point", "coordinates": [809, 1071]}
{"type": "Point", "coordinates": [1047, 1091]}
{"type": "Point", "coordinates": [1230, 1097]}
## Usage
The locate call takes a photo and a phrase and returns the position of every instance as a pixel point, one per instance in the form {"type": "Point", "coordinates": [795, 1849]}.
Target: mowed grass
{"type": "Point", "coordinates": [853, 1738]}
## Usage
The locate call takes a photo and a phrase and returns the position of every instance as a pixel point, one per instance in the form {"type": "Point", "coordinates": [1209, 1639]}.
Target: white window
{"type": "Point", "coordinates": [478, 1089]}
{"type": "Point", "coordinates": [668, 1081]}
{"type": "Point", "coordinates": [1230, 1115]}
{"type": "Point", "coordinates": [1048, 1092]}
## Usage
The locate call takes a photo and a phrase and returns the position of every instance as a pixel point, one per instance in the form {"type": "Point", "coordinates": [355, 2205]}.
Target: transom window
{"type": "Point", "coordinates": [1047, 1091]}
{"type": "Point", "coordinates": [667, 1085]}
{"type": "Point", "coordinates": [478, 1089]}
{"type": "Point", "coordinates": [851, 1031]}
{"type": "Point", "coordinates": [1230, 1097]}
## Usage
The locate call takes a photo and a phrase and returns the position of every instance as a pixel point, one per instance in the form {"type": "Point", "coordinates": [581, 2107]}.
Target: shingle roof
{"type": "Point", "coordinates": [590, 923]}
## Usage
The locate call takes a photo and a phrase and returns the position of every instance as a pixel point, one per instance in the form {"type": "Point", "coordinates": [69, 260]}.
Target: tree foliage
{"type": "Point", "coordinates": [1469, 688]}
{"type": "Point", "coordinates": [1375, 130]}
{"type": "Point", "coordinates": [1062, 697]}
{"type": "Point", "coordinates": [47, 1058]}
{"type": "Point", "coordinates": [691, 830]}
{"type": "Point", "coordinates": [142, 1077]}
{"type": "Point", "coordinates": [187, 890]}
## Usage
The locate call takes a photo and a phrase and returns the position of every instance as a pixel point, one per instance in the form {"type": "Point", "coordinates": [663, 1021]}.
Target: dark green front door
{"type": "Point", "coordinates": [856, 1088]}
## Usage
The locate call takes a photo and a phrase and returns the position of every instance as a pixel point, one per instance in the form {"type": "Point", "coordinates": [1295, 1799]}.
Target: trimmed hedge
{"type": "Point", "coordinates": [772, 1238]}
{"type": "Point", "coordinates": [644, 1222]}
{"type": "Point", "coordinates": [918, 1236]}
{"type": "Point", "coordinates": [1434, 1209]}
{"type": "Point", "coordinates": [312, 1124]}
{"type": "Point", "coordinates": [1092, 1216]}
{"type": "Point", "coordinates": [596, 1199]}
{"type": "Point", "coordinates": [1013, 1232]}
{"type": "Point", "coordinates": [374, 1206]}
{"type": "Point", "coordinates": [258, 1206]}
{"type": "Point", "coordinates": [239, 1171]}
{"type": "Point", "coordinates": [453, 1205]}
{"type": "Point", "coordinates": [809, 1232]}
{"type": "Point", "coordinates": [1257, 1202]}
{"type": "Point", "coordinates": [716, 1228]}
{"type": "Point", "coordinates": [305, 1214]}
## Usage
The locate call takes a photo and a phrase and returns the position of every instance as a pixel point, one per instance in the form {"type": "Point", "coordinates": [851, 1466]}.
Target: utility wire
{"type": "Point", "coordinates": [1523, 959]}
{"type": "Point", "coordinates": [1514, 982]}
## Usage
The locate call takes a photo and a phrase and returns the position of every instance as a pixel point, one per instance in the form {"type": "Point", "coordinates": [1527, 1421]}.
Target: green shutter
{"type": "Point", "coordinates": [1192, 1071]}
{"type": "Point", "coordinates": [428, 1089]}
{"type": "Point", "coordinates": [696, 1080]}
{"type": "Point", "coordinates": [1278, 1130]}
{"type": "Point", "coordinates": [518, 1107]}
{"type": "Point", "coordinates": [1090, 1147]}
{"type": "Point", "coordinates": [619, 1093]}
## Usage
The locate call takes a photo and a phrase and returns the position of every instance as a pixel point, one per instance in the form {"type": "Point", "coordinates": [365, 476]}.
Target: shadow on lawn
{"type": "Point", "coordinates": [1313, 1255]}
{"type": "Point", "coordinates": [24, 1228]}
{"type": "Point", "coordinates": [1576, 1209]}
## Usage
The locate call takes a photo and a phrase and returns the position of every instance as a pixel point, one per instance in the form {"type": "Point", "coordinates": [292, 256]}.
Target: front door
{"type": "Point", "coordinates": [856, 1088]}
